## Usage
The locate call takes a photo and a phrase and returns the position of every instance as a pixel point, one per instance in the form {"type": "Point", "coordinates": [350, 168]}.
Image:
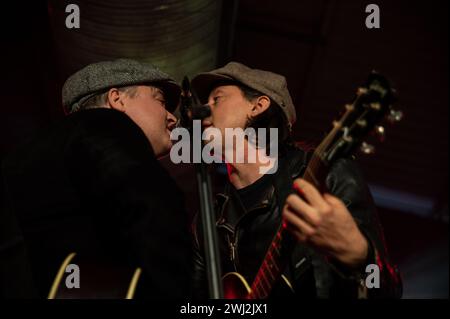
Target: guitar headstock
{"type": "Point", "coordinates": [371, 105]}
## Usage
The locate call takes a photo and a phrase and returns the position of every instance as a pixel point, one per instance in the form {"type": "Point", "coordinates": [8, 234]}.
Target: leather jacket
{"type": "Point", "coordinates": [243, 244]}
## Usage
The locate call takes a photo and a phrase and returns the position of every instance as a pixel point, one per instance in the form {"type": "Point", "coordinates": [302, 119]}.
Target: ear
{"type": "Point", "coordinates": [260, 105]}
{"type": "Point", "coordinates": [114, 100]}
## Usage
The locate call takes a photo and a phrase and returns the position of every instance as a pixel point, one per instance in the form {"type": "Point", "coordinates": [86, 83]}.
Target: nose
{"type": "Point", "coordinates": [171, 120]}
{"type": "Point", "coordinates": [207, 121]}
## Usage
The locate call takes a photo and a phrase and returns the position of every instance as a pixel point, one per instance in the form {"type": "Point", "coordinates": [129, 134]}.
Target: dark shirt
{"type": "Point", "coordinates": [253, 194]}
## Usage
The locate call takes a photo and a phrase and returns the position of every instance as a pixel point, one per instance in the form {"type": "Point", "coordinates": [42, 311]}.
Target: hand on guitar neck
{"type": "Point", "coordinates": [323, 222]}
{"type": "Point", "coordinates": [311, 215]}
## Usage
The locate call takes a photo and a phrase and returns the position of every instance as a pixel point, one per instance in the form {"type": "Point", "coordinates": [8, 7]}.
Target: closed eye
{"type": "Point", "coordinates": [162, 101]}
{"type": "Point", "coordinates": [158, 95]}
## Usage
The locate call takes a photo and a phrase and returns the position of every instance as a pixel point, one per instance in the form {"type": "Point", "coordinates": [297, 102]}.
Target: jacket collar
{"type": "Point", "coordinates": [295, 161]}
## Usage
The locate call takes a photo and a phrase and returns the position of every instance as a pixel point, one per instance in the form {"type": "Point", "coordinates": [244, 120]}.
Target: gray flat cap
{"type": "Point", "coordinates": [98, 77]}
{"type": "Point", "coordinates": [272, 84]}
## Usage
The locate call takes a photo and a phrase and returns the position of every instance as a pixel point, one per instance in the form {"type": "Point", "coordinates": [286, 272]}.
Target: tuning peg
{"type": "Point", "coordinates": [367, 148]}
{"type": "Point", "coordinates": [375, 106]}
{"type": "Point", "coordinates": [395, 116]}
{"type": "Point", "coordinates": [361, 91]}
{"type": "Point", "coordinates": [379, 130]}
{"type": "Point", "coordinates": [349, 107]}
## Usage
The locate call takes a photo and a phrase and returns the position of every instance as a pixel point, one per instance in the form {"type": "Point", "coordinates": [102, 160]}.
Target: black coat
{"type": "Point", "coordinates": [91, 184]}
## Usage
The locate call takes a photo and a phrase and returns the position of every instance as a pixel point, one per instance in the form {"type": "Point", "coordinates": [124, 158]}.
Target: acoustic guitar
{"type": "Point", "coordinates": [372, 103]}
{"type": "Point", "coordinates": [98, 279]}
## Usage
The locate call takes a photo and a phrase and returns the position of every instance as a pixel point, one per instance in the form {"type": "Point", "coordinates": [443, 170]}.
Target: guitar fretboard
{"type": "Point", "coordinates": [283, 243]}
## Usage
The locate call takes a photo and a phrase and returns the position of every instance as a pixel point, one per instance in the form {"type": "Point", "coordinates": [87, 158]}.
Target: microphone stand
{"type": "Point", "coordinates": [211, 248]}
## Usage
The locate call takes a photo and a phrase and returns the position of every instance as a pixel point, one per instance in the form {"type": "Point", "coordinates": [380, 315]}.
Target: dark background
{"type": "Point", "coordinates": [323, 48]}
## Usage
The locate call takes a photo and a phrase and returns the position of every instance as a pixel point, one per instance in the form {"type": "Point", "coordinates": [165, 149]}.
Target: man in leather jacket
{"type": "Point", "coordinates": [92, 184]}
{"type": "Point", "coordinates": [337, 233]}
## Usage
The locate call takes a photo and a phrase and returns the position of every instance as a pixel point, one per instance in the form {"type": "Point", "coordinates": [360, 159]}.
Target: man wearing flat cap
{"type": "Point", "coordinates": [336, 234]}
{"type": "Point", "coordinates": [92, 185]}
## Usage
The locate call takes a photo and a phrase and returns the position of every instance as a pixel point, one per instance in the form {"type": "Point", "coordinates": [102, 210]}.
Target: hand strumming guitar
{"type": "Point", "coordinates": [323, 222]}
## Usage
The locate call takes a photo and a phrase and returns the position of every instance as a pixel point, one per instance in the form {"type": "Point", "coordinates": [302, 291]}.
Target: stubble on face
{"type": "Point", "coordinates": [147, 109]}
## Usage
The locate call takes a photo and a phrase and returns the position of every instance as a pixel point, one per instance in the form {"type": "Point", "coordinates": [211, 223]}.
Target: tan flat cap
{"type": "Point", "coordinates": [269, 83]}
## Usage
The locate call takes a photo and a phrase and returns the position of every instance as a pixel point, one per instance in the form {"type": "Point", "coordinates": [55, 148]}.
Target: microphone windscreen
{"type": "Point", "coordinates": [199, 112]}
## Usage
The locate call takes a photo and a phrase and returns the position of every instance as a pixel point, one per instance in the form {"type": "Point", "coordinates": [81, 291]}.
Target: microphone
{"type": "Point", "coordinates": [191, 109]}
{"type": "Point", "coordinates": [199, 112]}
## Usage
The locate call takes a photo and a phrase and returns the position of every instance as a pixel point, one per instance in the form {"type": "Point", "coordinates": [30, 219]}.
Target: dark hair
{"type": "Point", "coordinates": [273, 117]}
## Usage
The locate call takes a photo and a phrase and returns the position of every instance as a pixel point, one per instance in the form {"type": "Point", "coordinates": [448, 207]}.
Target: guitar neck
{"type": "Point", "coordinates": [273, 265]}
{"type": "Point", "coordinates": [371, 104]}
{"type": "Point", "coordinates": [282, 245]}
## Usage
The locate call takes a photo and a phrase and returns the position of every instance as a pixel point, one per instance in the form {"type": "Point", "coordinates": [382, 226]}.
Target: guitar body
{"type": "Point", "coordinates": [236, 287]}
{"type": "Point", "coordinates": [97, 280]}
